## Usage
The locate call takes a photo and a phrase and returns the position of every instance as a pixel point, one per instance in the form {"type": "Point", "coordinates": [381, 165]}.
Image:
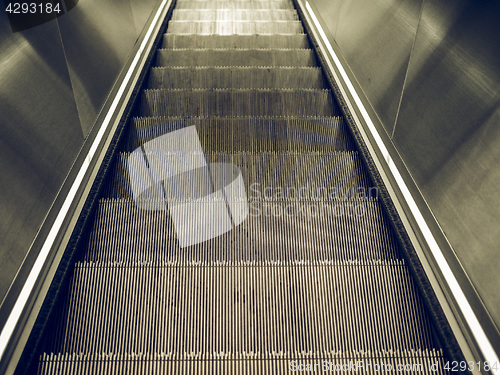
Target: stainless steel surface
{"type": "Point", "coordinates": [236, 57]}
{"type": "Point", "coordinates": [233, 15]}
{"type": "Point", "coordinates": [376, 38]}
{"type": "Point", "coordinates": [172, 41]}
{"type": "Point", "coordinates": [40, 136]}
{"type": "Point", "coordinates": [97, 38]}
{"type": "Point", "coordinates": [329, 11]}
{"type": "Point", "coordinates": [141, 10]}
{"type": "Point", "coordinates": [448, 132]}
{"type": "Point", "coordinates": [236, 77]}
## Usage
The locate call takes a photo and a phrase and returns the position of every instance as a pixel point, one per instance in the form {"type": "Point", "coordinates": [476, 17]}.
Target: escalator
{"type": "Point", "coordinates": [311, 278]}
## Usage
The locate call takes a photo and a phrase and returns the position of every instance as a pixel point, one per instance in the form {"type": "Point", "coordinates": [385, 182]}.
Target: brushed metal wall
{"type": "Point", "coordinates": [54, 79]}
{"type": "Point", "coordinates": [376, 38]}
{"type": "Point", "coordinates": [431, 71]}
{"type": "Point", "coordinates": [448, 132]}
{"type": "Point", "coordinates": [97, 37]}
{"type": "Point", "coordinates": [40, 135]}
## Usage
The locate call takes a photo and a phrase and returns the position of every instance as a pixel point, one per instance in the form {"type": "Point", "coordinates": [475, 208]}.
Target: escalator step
{"type": "Point", "coordinates": [234, 27]}
{"type": "Point", "coordinates": [236, 77]}
{"type": "Point", "coordinates": [289, 2]}
{"type": "Point", "coordinates": [269, 311]}
{"type": "Point", "coordinates": [236, 57]}
{"type": "Point", "coordinates": [236, 1]}
{"type": "Point", "coordinates": [329, 177]}
{"type": "Point", "coordinates": [122, 232]}
{"type": "Point", "coordinates": [250, 134]}
{"type": "Point", "coordinates": [414, 361]}
{"type": "Point", "coordinates": [238, 103]}
{"type": "Point", "coordinates": [228, 4]}
{"type": "Point", "coordinates": [288, 41]}
{"type": "Point", "coordinates": [235, 15]}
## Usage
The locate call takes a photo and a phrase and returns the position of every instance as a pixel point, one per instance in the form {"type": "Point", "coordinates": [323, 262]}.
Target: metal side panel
{"type": "Point", "coordinates": [376, 38]}
{"type": "Point", "coordinates": [40, 136]}
{"type": "Point", "coordinates": [97, 37]}
{"type": "Point", "coordinates": [452, 147]}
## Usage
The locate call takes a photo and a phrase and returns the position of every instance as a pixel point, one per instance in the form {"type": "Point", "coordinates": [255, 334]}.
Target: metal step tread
{"type": "Point", "coordinates": [234, 27]}
{"type": "Point", "coordinates": [358, 230]}
{"type": "Point", "coordinates": [177, 41]}
{"type": "Point", "coordinates": [240, 2]}
{"type": "Point", "coordinates": [244, 102]}
{"type": "Point", "coordinates": [228, 4]}
{"type": "Point", "coordinates": [235, 1]}
{"type": "Point", "coordinates": [236, 77]}
{"type": "Point", "coordinates": [340, 174]}
{"type": "Point", "coordinates": [250, 134]}
{"type": "Point", "coordinates": [235, 15]}
{"type": "Point", "coordinates": [243, 22]}
{"type": "Point", "coordinates": [260, 309]}
{"type": "Point", "coordinates": [417, 361]}
{"type": "Point", "coordinates": [289, 2]}
{"type": "Point", "coordinates": [236, 57]}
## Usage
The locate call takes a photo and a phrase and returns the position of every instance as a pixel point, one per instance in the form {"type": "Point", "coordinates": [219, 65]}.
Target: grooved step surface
{"type": "Point", "coordinates": [326, 177]}
{"type": "Point", "coordinates": [234, 27]}
{"type": "Point", "coordinates": [236, 57]}
{"type": "Point", "coordinates": [409, 361]}
{"type": "Point", "coordinates": [234, 15]}
{"type": "Point", "coordinates": [228, 4]}
{"type": "Point", "coordinates": [237, 103]}
{"type": "Point", "coordinates": [289, 41]}
{"type": "Point", "coordinates": [288, 2]}
{"type": "Point", "coordinates": [251, 134]}
{"type": "Point", "coordinates": [236, 77]}
{"type": "Point", "coordinates": [286, 309]}
{"type": "Point", "coordinates": [122, 232]}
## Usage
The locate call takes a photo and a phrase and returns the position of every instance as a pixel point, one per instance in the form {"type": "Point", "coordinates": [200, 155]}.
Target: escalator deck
{"type": "Point", "coordinates": [310, 277]}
